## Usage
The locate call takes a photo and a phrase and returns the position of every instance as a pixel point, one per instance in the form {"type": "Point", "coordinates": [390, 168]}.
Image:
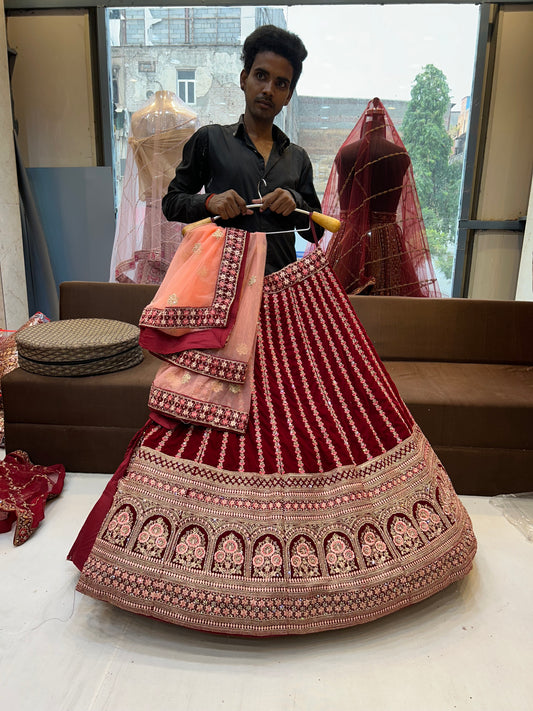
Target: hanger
{"type": "Point", "coordinates": [329, 223]}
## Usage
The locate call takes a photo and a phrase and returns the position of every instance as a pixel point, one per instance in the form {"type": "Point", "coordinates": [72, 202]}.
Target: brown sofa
{"type": "Point", "coordinates": [464, 368]}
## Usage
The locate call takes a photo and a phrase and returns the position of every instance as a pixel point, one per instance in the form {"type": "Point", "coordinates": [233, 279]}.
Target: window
{"type": "Point", "coordinates": [356, 52]}
{"type": "Point", "coordinates": [186, 84]}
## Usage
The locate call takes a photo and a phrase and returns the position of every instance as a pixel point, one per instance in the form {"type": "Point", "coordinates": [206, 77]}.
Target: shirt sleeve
{"type": "Point", "coordinates": [305, 196]}
{"type": "Point", "coordinates": [183, 203]}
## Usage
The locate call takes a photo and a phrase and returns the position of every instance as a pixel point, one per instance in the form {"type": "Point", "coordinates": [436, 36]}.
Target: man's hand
{"type": "Point", "coordinates": [227, 205]}
{"type": "Point", "coordinates": [279, 200]}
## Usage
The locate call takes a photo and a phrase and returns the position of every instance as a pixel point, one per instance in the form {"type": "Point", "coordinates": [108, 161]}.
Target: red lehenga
{"type": "Point", "coordinates": [381, 247]}
{"type": "Point", "coordinates": [320, 505]}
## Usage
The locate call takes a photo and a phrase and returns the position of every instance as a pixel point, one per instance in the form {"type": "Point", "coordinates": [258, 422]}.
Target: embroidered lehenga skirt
{"type": "Point", "coordinates": [329, 509]}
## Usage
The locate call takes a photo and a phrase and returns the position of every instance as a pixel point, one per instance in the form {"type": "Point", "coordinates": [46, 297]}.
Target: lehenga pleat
{"type": "Point", "coordinates": [331, 510]}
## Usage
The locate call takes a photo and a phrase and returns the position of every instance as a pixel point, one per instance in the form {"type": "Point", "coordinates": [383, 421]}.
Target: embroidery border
{"type": "Point", "coordinates": [232, 371]}
{"type": "Point", "coordinates": [216, 315]}
{"type": "Point", "coordinates": [185, 408]}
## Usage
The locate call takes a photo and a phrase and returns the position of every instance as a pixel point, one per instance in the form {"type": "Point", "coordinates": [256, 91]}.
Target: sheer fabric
{"type": "Point", "coordinates": [24, 490]}
{"type": "Point", "coordinates": [381, 247]}
{"type": "Point", "coordinates": [145, 241]}
{"type": "Point", "coordinates": [202, 323]}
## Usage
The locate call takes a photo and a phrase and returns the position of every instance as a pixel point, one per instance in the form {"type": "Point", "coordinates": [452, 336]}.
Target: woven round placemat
{"type": "Point", "coordinates": [79, 347]}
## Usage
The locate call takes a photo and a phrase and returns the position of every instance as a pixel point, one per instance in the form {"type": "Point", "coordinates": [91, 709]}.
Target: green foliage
{"type": "Point", "coordinates": [429, 145]}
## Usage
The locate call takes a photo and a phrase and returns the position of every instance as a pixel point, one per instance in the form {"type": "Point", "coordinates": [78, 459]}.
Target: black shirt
{"type": "Point", "coordinates": [221, 158]}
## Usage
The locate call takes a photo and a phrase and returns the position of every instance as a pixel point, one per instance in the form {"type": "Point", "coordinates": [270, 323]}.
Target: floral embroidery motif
{"type": "Point", "coordinates": [267, 560]}
{"type": "Point", "coordinates": [191, 548]}
{"type": "Point", "coordinates": [340, 556]}
{"type": "Point", "coordinates": [373, 547]}
{"type": "Point", "coordinates": [428, 520]}
{"type": "Point", "coordinates": [185, 377]}
{"type": "Point", "coordinates": [218, 233]}
{"type": "Point", "coordinates": [304, 558]}
{"type": "Point", "coordinates": [229, 555]}
{"type": "Point", "coordinates": [197, 247]}
{"type": "Point", "coordinates": [235, 388]}
{"type": "Point", "coordinates": [252, 280]}
{"type": "Point", "coordinates": [153, 538]}
{"type": "Point", "coordinates": [446, 498]}
{"type": "Point", "coordinates": [119, 528]}
{"type": "Point", "coordinates": [404, 535]}
{"type": "Point", "coordinates": [217, 386]}
{"type": "Point", "coordinates": [242, 349]}
{"type": "Point", "coordinates": [172, 300]}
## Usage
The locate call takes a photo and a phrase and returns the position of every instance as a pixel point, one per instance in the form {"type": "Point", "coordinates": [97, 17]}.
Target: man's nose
{"type": "Point", "coordinates": [268, 86]}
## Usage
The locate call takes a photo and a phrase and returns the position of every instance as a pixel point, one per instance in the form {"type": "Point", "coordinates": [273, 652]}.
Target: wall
{"type": "Point", "coordinates": [52, 88]}
{"type": "Point", "coordinates": [13, 301]}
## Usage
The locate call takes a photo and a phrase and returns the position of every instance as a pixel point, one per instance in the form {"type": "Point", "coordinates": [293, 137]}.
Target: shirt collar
{"type": "Point", "coordinates": [280, 139]}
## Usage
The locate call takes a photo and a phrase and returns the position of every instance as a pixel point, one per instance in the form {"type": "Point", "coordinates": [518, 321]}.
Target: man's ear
{"type": "Point", "coordinates": [244, 76]}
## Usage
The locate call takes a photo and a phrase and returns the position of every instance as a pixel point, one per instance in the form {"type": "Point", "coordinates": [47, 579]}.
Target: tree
{"type": "Point", "coordinates": [429, 145]}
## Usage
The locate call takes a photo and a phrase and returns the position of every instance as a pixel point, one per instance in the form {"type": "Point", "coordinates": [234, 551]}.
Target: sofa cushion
{"type": "Point", "coordinates": [446, 330]}
{"type": "Point", "coordinates": [110, 400]}
{"type": "Point", "coordinates": [468, 404]}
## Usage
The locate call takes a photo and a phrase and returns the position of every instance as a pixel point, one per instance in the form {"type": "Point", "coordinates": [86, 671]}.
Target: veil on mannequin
{"type": "Point", "coordinates": [381, 247]}
{"type": "Point", "coordinates": [145, 241]}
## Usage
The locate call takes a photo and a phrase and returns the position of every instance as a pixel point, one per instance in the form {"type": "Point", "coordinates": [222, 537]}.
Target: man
{"type": "Point", "coordinates": [252, 161]}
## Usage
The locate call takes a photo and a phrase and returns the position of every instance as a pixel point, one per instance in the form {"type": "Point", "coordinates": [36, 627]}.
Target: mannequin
{"type": "Point", "coordinates": [145, 241]}
{"type": "Point", "coordinates": [381, 247]}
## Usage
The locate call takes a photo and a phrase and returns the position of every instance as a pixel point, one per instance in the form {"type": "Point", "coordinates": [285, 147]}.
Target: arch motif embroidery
{"type": "Point", "coordinates": [119, 528]}
{"type": "Point", "coordinates": [340, 556]}
{"type": "Point", "coordinates": [404, 535]}
{"type": "Point", "coordinates": [191, 548]}
{"type": "Point", "coordinates": [153, 538]}
{"type": "Point", "coordinates": [229, 554]}
{"type": "Point", "coordinates": [373, 547]}
{"type": "Point", "coordinates": [304, 558]}
{"type": "Point", "coordinates": [267, 558]}
{"type": "Point", "coordinates": [429, 521]}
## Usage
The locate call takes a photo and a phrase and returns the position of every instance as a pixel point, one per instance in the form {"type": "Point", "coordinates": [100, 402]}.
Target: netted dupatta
{"type": "Point", "coordinates": [145, 241]}
{"type": "Point", "coordinates": [381, 247]}
{"type": "Point", "coordinates": [203, 324]}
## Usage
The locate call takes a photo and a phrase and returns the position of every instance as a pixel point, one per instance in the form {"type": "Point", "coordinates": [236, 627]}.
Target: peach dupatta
{"type": "Point", "coordinates": [202, 323]}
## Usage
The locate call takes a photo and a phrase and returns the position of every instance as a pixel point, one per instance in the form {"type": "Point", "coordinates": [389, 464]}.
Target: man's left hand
{"type": "Point", "coordinates": [279, 200]}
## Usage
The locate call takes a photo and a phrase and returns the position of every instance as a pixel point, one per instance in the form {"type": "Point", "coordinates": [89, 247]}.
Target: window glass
{"type": "Point", "coordinates": [402, 54]}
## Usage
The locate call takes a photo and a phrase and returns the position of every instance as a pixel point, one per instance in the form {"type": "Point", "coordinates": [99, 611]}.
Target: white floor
{"type": "Point", "coordinates": [470, 647]}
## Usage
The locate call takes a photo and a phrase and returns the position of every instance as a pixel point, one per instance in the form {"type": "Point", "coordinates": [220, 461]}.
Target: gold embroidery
{"type": "Point", "coordinates": [197, 247]}
{"type": "Point", "coordinates": [235, 388]}
{"type": "Point", "coordinates": [217, 386]}
{"type": "Point", "coordinates": [218, 233]}
{"type": "Point", "coordinates": [252, 280]}
{"type": "Point", "coordinates": [185, 377]}
{"type": "Point", "coordinates": [242, 349]}
{"type": "Point", "coordinates": [172, 300]}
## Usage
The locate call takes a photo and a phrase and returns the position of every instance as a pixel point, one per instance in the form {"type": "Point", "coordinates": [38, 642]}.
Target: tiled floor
{"type": "Point", "coordinates": [470, 647]}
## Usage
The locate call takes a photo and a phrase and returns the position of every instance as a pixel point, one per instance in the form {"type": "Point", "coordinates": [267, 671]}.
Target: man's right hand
{"type": "Point", "coordinates": [228, 204]}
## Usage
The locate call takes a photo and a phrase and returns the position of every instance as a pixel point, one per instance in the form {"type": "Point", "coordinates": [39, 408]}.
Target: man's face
{"type": "Point", "coordinates": [267, 87]}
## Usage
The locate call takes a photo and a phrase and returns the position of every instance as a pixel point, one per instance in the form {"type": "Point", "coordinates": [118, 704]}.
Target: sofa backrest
{"type": "Point", "coordinates": [95, 299]}
{"type": "Point", "coordinates": [465, 330]}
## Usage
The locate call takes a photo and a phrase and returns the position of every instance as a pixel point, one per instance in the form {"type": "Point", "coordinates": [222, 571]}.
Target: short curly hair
{"type": "Point", "coordinates": [269, 38]}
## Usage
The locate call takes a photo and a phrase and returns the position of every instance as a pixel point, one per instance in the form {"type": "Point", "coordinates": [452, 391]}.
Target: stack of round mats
{"type": "Point", "coordinates": [77, 347]}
